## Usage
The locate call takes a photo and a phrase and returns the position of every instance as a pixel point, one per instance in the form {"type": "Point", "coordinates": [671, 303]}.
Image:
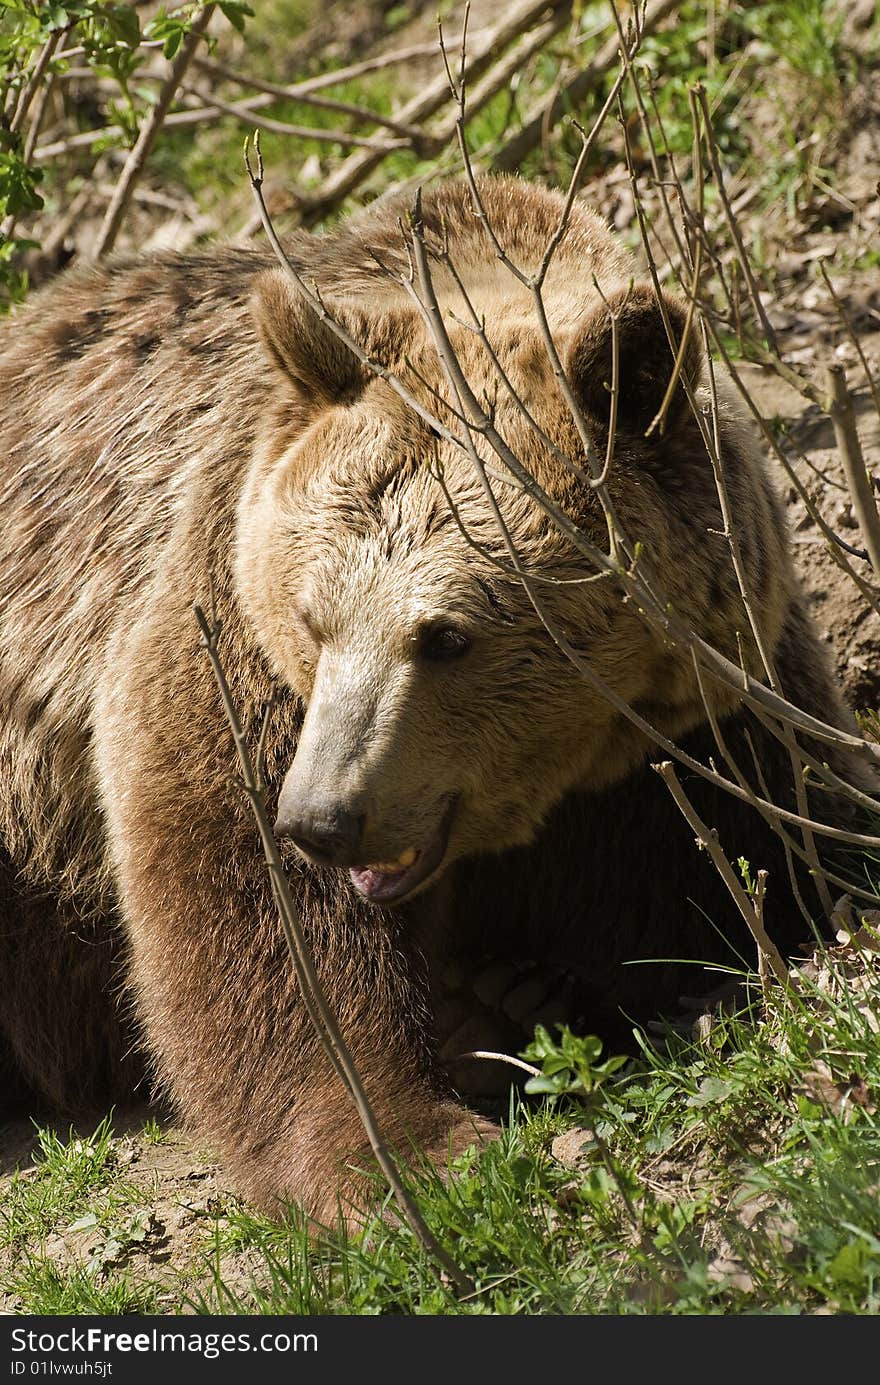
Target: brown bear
{"type": "Point", "coordinates": [449, 788]}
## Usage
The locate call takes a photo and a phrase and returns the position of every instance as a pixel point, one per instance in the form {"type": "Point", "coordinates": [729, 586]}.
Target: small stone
{"type": "Point", "coordinates": [572, 1148]}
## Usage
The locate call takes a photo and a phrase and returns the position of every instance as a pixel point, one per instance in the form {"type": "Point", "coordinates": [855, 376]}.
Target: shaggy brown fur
{"type": "Point", "coordinates": [186, 424]}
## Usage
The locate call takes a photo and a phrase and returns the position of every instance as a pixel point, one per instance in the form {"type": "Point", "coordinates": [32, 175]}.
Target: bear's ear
{"type": "Point", "coordinates": [302, 344]}
{"type": "Point", "coordinates": [646, 361]}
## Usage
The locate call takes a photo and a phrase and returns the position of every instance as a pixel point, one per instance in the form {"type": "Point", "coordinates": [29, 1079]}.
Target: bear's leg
{"type": "Point", "coordinates": [64, 1041]}
{"type": "Point", "coordinates": [214, 985]}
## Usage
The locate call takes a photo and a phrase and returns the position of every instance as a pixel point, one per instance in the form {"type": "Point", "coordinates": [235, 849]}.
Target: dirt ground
{"type": "Point", "coordinates": [846, 621]}
{"type": "Point", "coordinates": [170, 1199]}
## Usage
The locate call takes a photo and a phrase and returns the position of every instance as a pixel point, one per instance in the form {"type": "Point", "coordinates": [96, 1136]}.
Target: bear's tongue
{"type": "Point", "coordinates": [384, 881]}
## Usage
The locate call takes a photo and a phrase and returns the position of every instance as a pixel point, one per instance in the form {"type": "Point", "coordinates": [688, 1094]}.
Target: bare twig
{"type": "Point", "coordinates": [249, 113]}
{"type": "Point", "coordinates": [303, 93]}
{"type": "Point", "coordinates": [853, 335]}
{"type": "Point", "coordinates": [359, 166]}
{"type": "Point", "coordinates": [695, 220]}
{"type": "Point", "coordinates": [772, 819]}
{"type": "Point", "coordinates": [751, 909]}
{"type": "Point", "coordinates": [504, 71]}
{"type": "Point", "coordinates": [511, 155]}
{"type": "Point", "coordinates": [659, 420]}
{"type": "Point", "coordinates": [333, 78]}
{"type": "Point", "coordinates": [733, 226]}
{"type": "Point", "coordinates": [35, 80]}
{"type": "Point", "coordinates": [840, 410]}
{"type": "Point", "coordinates": [136, 160]}
{"type": "Point", "coordinates": [489, 1056]}
{"type": "Point", "coordinates": [831, 538]}
{"type": "Point", "coordinates": [313, 298]}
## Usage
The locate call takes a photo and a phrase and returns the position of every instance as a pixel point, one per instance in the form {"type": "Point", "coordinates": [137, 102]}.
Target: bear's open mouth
{"type": "Point", "coordinates": [384, 881]}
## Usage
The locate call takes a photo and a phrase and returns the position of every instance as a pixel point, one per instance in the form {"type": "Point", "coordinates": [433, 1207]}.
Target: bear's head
{"type": "Point", "coordinates": [441, 718]}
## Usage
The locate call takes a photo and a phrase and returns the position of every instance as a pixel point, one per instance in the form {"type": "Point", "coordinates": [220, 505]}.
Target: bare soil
{"type": "Point", "coordinates": [171, 1199]}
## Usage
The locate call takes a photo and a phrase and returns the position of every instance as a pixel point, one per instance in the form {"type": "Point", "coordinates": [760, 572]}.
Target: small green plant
{"type": "Point", "coordinates": [108, 38]}
{"type": "Point", "coordinates": [569, 1065]}
{"type": "Point", "coordinates": [154, 1133]}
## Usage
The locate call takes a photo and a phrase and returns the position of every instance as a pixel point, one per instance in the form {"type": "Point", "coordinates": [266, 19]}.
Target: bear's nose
{"type": "Point", "coordinates": [325, 832]}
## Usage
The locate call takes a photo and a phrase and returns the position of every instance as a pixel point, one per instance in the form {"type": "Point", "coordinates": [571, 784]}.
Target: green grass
{"type": "Point", "coordinates": [69, 1171]}
{"type": "Point", "coordinates": [47, 1289]}
{"type": "Point", "coordinates": [735, 1176]}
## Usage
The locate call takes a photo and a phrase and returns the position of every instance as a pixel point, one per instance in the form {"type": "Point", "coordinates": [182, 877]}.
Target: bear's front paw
{"type": "Point", "coordinates": [493, 1011]}
{"type": "Point", "coordinates": [345, 1184]}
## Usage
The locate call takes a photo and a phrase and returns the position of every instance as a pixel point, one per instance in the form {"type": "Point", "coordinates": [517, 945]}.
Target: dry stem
{"type": "Point", "coordinates": [840, 410]}
{"type": "Point", "coordinates": [153, 122]}
{"type": "Point", "coordinates": [751, 909]}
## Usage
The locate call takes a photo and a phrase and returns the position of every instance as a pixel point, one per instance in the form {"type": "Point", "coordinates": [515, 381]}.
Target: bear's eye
{"type": "Point", "coordinates": [307, 624]}
{"type": "Point", "coordinates": [441, 642]}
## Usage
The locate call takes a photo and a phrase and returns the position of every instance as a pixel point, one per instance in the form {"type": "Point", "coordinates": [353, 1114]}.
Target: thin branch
{"type": "Point", "coordinates": [248, 112]}
{"type": "Point", "coordinates": [797, 755]}
{"type": "Point", "coordinates": [478, 327]}
{"type": "Point", "coordinates": [573, 95]}
{"type": "Point", "coordinates": [34, 81]}
{"type": "Point", "coordinates": [376, 367]}
{"type": "Point", "coordinates": [751, 909]}
{"type": "Point", "coordinates": [304, 94]}
{"type": "Point", "coordinates": [488, 1055]}
{"type": "Point", "coordinates": [754, 693]}
{"type": "Point", "coordinates": [153, 122]}
{"type": "Point", "coordinates": [298, 90]}
{"type": "Point", "coordinates": [853, 336]}
{"type": "Point", "coordinates": [831, 538]}
{"type": "Point", "coordinates": [503, 72]}
{"type": "Point", "coordinates": [617, 539]}
{"type": "Point", "coordinates": [772, 819]}
{"type": "Point", "coordinates": [359, 166]}
{"type": "Point", "coordinates": [840, 410]}
{"type": "Point", "coordinates": [733, 227]}
{"type": "Point", "coordinates": [659, 421]}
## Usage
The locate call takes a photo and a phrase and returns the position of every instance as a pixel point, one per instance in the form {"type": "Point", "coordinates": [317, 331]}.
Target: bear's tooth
{"type": "Point", "coordinates": [403, 862]}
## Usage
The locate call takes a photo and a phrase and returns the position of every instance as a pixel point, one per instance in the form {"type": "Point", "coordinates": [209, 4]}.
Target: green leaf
{"type": "Point", "coordinates": [127, 25]}
{"type": "Point", "coordinates": [847, 1269]}
{"type": "Point", "coordinates": [236, 14]}
{"type": "Point", "coordinates": [549, 1086]}
{"type": "Point", "coordinates": [85, 1223]}
{"type": "Point", "coordinates": [712, 1089]}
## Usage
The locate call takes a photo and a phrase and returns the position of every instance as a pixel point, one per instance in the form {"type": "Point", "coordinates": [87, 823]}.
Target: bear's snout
{"type": "Point", "coordinates": [325, 832]}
